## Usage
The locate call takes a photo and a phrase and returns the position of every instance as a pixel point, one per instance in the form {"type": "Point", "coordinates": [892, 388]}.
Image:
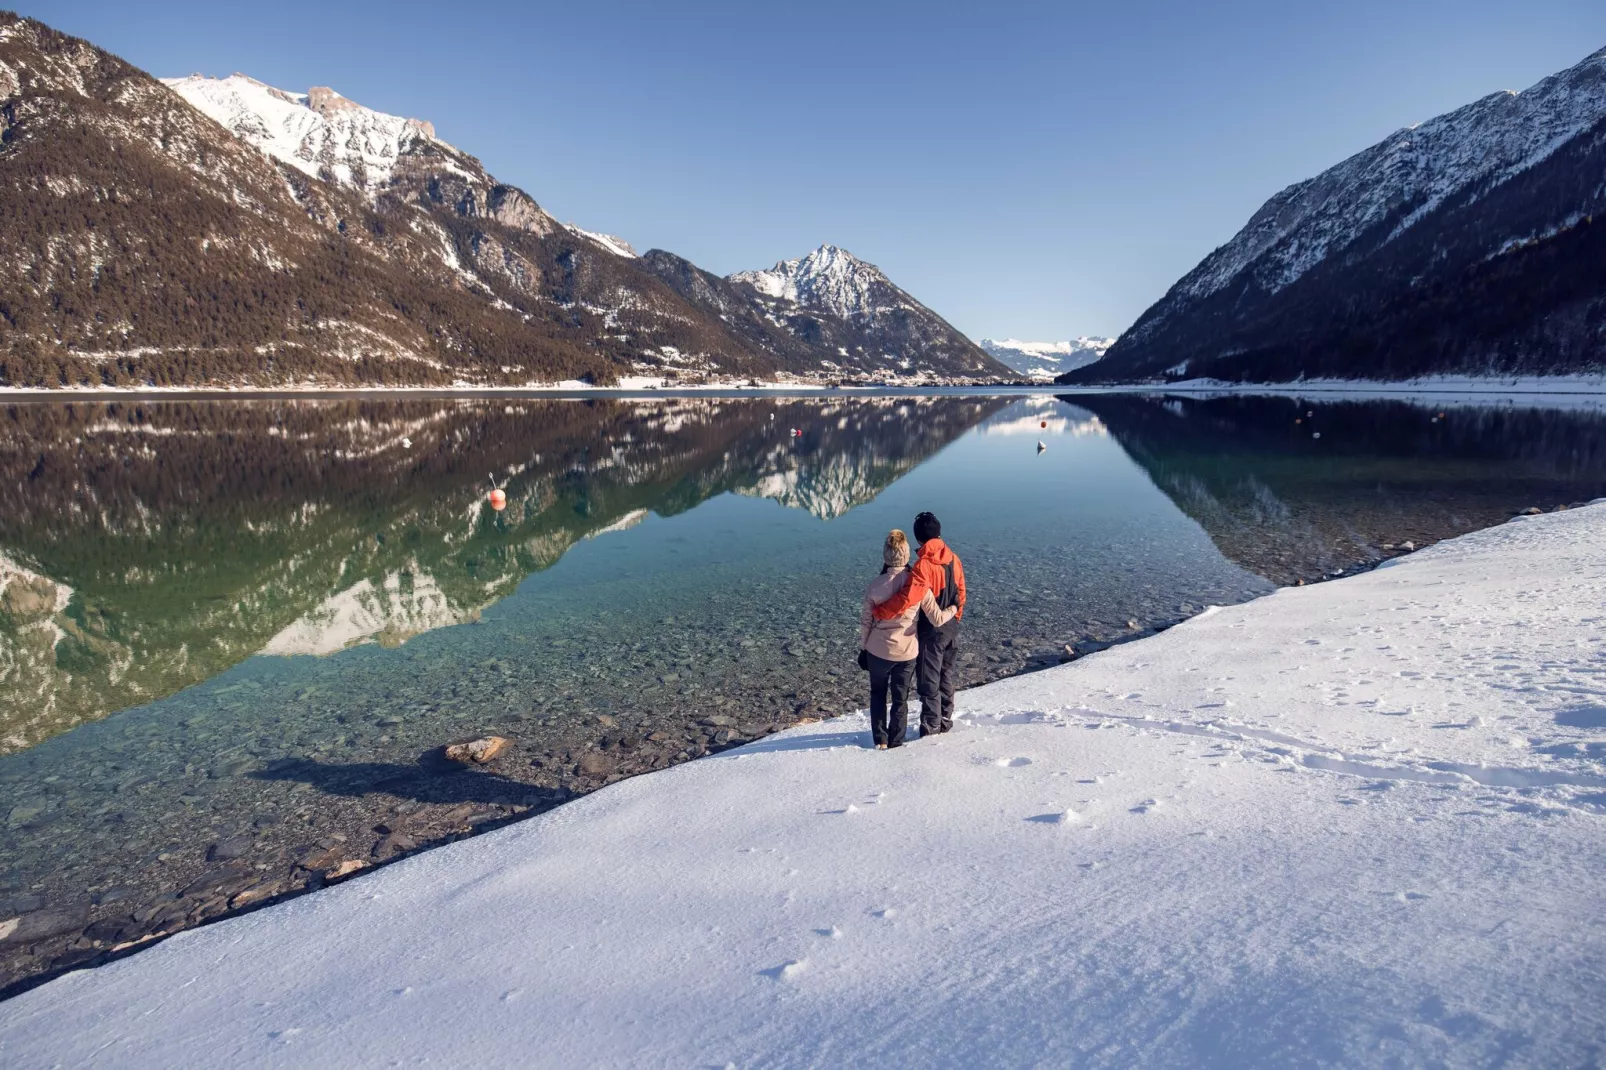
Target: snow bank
{"type": "Point", "coordinates": [1551, 390]}
{"type": "Point", "coordinates": [1357, 823]}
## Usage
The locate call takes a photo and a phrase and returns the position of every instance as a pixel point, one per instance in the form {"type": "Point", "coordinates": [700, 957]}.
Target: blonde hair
{"type": "Point", "coordinates": [895, 554]}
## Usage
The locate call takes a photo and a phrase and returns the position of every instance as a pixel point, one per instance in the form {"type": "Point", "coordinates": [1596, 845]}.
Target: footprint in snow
{"type": "Point", "coordinates": [1059, 817]}
{"type": "Point", "coordinates": [1146, 806]}
{"type": "Point", "coordinates": [885, 912]}
{"type": "Point", "coordinates": [786, 971]}
{"type": "Point", "coordinates": [512, 994]}
{"type": "Point", "coordinates": [1410, 897]}
{"type": "Point", "coordinates": [833, 933]}
{"type": "Point", "coordinates": [1011, 763]}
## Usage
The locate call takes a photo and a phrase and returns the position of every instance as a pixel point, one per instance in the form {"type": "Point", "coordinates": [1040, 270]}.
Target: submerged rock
{"type": "Point", "coordinates": [234, 847]}
{"type": "Point", "coordinates": [477, 751]}
{"type": "Point", "coordinates": [42, 924]}
{"type": "Point", "coordinates": [595, 763]}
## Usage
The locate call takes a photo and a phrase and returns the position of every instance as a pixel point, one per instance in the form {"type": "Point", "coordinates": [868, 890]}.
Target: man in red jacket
{"type": "Point", "coordinates": [936, 569]}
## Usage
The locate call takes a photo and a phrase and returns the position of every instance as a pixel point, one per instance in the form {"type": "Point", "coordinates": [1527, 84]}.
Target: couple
{"type": "Point", "coordinates": [910, 627]}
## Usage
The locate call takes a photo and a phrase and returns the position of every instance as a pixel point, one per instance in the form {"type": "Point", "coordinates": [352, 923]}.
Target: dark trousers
{"type": "Point", "coordinates": [935, 678]}
{"type": "Point", "coordinates": [888, 725]}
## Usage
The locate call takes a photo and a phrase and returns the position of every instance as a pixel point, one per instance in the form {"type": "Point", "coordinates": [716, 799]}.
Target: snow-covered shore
{"type": "Point", "coordinates": [1354, 824]}
{"type": "Point", "coordinates": [1553, 391]}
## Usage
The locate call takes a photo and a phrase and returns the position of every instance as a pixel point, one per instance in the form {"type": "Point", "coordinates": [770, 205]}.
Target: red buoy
{"type": "Point", "coordinates": [498, 499]}
{"type": "Point", "coordinates": [1043, 424]}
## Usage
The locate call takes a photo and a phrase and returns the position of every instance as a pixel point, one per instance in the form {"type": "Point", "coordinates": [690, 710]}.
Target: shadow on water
{"type": "Point", "coordinates": [429, 780]}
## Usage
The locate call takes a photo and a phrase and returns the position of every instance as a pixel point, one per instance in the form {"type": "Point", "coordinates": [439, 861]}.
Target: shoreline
{"type": "Point", "coordinates": [556, 392]}
{"type": "Point", "coordinates": [1469, 389]}
{"type": "Point", "coordinates": [612, 753]}
{"type": "Point", "coordinates": [1396, 853]}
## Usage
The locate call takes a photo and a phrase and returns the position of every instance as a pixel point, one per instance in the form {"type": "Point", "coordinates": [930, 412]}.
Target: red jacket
{"type": "Point", "coordinates": [927, 574]}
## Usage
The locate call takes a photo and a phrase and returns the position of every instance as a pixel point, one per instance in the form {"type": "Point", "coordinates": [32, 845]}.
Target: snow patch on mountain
{"type": "Point", "coordinates": [613, 244]}
{"type": "Point", "coordinates": [318, 132]}
{"type": "Point", "coordinates": [1462, 153]}
{"type": "Point", "coordinates": [831, 280]}
{"type": "Point", "coordinates": [1045, 360]}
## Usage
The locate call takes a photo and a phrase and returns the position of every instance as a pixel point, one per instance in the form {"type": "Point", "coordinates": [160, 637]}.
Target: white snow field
{"type": "Point", "coordinates": [1354, 824]}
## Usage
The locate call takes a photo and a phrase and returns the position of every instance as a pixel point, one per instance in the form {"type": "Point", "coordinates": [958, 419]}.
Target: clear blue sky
{"type": "Point", "coordinates": [1036, 170]}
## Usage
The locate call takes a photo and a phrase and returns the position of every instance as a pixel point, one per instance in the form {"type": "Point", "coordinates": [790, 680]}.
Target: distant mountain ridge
{"type": "Point", "coordinates": [885, 323]}
{"type": "Point", "coordinates": [1045, 360]}
{"type": "Point", "coordinates": [225, 232]}
{"type": "Point", "coordinates": [1466, 244]}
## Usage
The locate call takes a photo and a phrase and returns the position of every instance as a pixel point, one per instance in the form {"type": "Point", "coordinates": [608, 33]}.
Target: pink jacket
{"type": "Point", "coordinates": [895, 639]}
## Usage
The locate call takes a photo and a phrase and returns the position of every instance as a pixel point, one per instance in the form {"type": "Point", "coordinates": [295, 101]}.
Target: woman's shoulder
{"type": "Point", "coordinates": [886, 585]}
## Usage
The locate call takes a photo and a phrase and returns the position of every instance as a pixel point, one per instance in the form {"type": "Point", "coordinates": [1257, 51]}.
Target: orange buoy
{"type": "Point", "coordinates": [498, 499]}
{"type": "Point", "coordinates": [1043, 424]}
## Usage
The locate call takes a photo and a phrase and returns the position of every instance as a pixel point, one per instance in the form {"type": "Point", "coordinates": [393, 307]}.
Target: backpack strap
{"type": "Point", "coordinates": [950, 590]}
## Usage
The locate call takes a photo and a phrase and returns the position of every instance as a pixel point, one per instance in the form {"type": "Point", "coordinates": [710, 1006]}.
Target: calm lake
{"type": "Point", "coordinates": [233, 634]}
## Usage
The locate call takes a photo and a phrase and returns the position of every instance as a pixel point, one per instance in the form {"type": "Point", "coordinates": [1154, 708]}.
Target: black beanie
{"type": "Point", "coordinates": [927, 527]}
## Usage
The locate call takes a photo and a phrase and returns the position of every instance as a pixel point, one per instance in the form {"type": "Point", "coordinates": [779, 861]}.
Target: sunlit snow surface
{"type": "Point", "coordinates": [1352, 824]}
{"type": "Point", "coordinates": [828, 278]}
{"type": "Point", "coordinates": [1045, 360]}
{"type": "Point", "coordinates": [357, 146]}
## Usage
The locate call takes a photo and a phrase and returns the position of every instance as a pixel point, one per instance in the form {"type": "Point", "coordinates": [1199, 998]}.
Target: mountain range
{"type": "Point", "coordinates": [1044, 360]}
{"type": "Point", "coordinates": [220, 231]}
{"type": "Point", "coordinates": [1467, 244]}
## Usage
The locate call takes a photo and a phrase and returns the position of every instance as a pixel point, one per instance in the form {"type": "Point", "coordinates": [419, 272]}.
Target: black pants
{"type": "Point", "coordinates": [935, 678]}
{"type": "Point", "coordinates": [888, 725]}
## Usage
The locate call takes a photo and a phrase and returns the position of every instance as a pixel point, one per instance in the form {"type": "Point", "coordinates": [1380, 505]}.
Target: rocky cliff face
{"type": "Point", "coordinates": [1465, 244]}
{"type": "Point", "coordinates": [226, 232]}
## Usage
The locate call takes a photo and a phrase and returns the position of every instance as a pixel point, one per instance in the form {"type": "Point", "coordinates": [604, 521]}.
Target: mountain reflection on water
{"type": "Point", "coordinates": [1294, 489]}
{"type": "Point", "coordinates": [149, 546]}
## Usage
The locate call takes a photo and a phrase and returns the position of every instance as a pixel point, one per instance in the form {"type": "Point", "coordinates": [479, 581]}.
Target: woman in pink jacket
{"type": "Point", "coordinates": [891, 646]}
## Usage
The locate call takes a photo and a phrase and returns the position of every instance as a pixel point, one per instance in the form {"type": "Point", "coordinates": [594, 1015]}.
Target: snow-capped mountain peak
{"type": "Point", "coordinates": [1045, 360]}
{"type": "Point", "coordinates": [319, 133]}
{"type": "Point", "coordinates": [830, 279]}
{"type": "Point", "coordinates": [1406, 176]}
{"type": "Point", "coordinates": [1437, 250]}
